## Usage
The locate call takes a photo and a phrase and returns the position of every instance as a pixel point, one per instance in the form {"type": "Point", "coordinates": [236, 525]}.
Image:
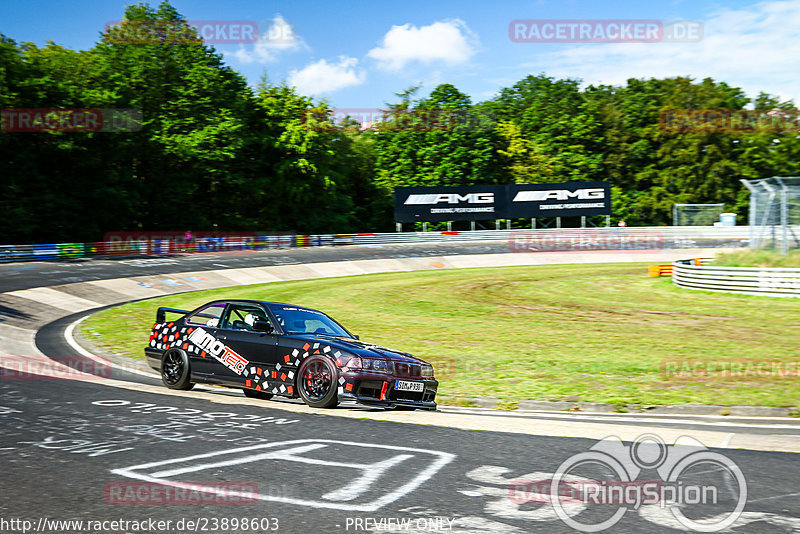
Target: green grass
{"type": "Point", "coordinates": [596, 332]}
{"type": "Point", "coordinates": [759, 258]}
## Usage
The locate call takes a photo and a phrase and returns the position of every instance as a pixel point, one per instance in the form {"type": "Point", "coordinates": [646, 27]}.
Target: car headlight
{"type": "Point", "coordinates": [380, 366]}
{"type": "Point", "coordinates": [426, 371]}
{"type": "Point", "coordinates": [348, 362]}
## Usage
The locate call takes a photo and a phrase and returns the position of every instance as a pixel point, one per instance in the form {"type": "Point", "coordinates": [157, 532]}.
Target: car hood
{"type": "Point", "coordinates": [360, 348]}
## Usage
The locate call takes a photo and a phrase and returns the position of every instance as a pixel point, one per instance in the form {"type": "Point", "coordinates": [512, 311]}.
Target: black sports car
{"type": "Point", "coordinates": [268, 348]}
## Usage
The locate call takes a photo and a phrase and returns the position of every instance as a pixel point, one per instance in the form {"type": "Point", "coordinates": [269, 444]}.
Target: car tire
{"type": "Point", "coordinates": [316, 382]}
{"type": "Point", "coordinates": [175, 370]}
{"type": "Point", "coordinates": [253, 394]}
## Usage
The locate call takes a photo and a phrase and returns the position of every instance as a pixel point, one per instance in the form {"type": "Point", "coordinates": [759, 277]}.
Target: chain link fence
{"type": "Point", "coordinates": [774, 213]}
{"type": "Point", "coordinates": [696, 214]}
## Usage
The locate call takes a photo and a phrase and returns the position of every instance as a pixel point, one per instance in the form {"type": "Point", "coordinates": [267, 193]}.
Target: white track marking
{"type": "Point", "coordinates": [728, 440]}
{"type": "Point", "coordinates": [372, 472]}
{"type": "Point", "coordinates": [664, 419]}
{"type": "Point", "coordinates": [478, 411]}
{"type": "Point", "coordinates": [439, 460]}
{"type": "Point", "coordinates": [83, 352]}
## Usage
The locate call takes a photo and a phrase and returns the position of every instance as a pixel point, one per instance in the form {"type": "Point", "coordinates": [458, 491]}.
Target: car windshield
{"type": "Point", "coordinates": [304, 321]}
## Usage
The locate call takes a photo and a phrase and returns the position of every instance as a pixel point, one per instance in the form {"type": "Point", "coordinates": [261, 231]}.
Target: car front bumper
{"type": "Point", "coordinates": [381, 390]}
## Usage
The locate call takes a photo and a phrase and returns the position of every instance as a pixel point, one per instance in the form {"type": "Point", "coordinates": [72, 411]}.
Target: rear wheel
{"type": "Point", "coordinates": [175, 370]}
{"type": "Point", "coordinates": [316, 382]}
{"type": "Point", "coordinates": [253, 394]}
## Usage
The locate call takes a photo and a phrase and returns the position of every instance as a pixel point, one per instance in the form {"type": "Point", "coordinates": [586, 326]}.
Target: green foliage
{"type": "Point", "coordinates": [440, 140]}
{"type": "Point", "coordinates": [590, 333]}
{"type": "Point", "coordinates": [213, 153]}
{"type": "Point", "coordinates": [759, 258]}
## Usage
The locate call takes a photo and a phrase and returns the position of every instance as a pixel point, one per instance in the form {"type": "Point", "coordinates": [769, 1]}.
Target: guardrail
{"type": "Point", "coordinates": [144, 247]}
{"type": "Point", "coordinates": [564, 239]}
{"type": "Point", "coordinates": [765, 281]}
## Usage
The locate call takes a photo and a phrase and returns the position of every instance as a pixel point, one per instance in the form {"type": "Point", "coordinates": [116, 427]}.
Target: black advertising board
{"type": "Point", "coordinates": [475, 203]}
{"type": "Point", "coordinates": [570, 199]}
{"type": "Point", "coordinates": [432, 204]}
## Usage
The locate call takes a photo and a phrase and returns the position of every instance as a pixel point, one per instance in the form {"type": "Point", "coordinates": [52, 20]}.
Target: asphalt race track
{"type": "Point", "coordinates": [42, 274]}
{"type": "Point", "coordinates": [117, 447]}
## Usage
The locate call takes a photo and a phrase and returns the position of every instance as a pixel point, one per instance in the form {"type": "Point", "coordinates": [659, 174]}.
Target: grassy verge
{"type": "Point", "coordinates": [597, 333]}
{"type": "Point", "coordinates": [759, 258]}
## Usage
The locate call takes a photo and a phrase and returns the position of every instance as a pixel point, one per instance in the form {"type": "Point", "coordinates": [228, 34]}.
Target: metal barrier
{"type": "Point", "coordinates": [564, 239]}
{"type": "Point", "coordinates": [579, 238]}
{"type": "Point", "coordinates": [145, 247]}
{"type": "Point", "coordinates": [765, 281]}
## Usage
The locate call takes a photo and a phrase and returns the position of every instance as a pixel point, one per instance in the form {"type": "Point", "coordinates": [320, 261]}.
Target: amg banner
{"type": "Point", "coordinates": [568, 199]}
{"type": "Point", "coordinates": [473, 203]}
{"type": "Point", "coordinates": [432, 204]}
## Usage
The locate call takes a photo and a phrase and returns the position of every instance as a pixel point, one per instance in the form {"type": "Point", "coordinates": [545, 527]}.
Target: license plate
{"type": "Point", "coordinates": [404, 385]}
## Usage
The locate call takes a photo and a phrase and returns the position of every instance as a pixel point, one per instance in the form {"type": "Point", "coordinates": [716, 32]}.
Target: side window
{"type": "Point", "coordinates": [243, 317]}
{"type": "Point", "coordinates": [208, 316]}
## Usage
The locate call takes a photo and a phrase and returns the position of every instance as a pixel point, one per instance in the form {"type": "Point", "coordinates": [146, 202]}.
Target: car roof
{"type": "Point", "coordinates": [264, 302]}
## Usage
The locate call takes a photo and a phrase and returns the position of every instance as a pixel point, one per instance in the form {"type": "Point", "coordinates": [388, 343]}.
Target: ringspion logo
{"type": "Point", "coordinates": [702, 490]}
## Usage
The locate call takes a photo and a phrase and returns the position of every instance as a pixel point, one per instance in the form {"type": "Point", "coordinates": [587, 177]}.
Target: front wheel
{"type": "Point", "coordinates": [316, 382]}
{"type": "Point", "coordinates": [175, 370]}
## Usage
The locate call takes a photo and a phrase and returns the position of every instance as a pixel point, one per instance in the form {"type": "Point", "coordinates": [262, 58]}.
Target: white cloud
{"type": "Point", "coordinates": [449, 42]}
{"type": "Point", "coordinates": [753, 48]}
{"type": "Point", "coordinates": [275, 37]}
{"type": "Point", "coordinates": [323, 77]}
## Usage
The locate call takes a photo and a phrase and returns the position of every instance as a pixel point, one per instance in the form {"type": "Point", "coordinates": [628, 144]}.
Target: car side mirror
{"type": "Point", "coordinates": [263, 326]}
{"type": "Point", "coordinates": [355, 336]}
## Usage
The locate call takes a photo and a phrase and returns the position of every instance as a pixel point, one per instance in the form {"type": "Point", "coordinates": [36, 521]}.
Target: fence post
{"type": "Point", "coordinates": [784, 218]}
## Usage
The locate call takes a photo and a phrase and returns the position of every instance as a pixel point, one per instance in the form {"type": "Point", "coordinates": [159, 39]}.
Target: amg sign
{"type": "Point", "coordinates": [450, 198]}
{"type": "Point", "coordinates": [568, 199]}
{"type": "Point", "coordinates": [559, 200]}
{"type": "Point", "coordinates": [432, 204]}
{"type": "Point", "coordinates": [559, 194]}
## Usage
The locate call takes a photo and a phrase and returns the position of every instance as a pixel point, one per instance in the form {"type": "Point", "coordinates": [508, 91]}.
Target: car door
{"type": "Point", "coordinates": [257, 349]}
{"type": "Point", "coordinates": [207, 318]}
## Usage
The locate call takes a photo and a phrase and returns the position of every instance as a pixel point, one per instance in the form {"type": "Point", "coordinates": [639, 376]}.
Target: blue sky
{"type": "Point", "coordinates": [358, 54]}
